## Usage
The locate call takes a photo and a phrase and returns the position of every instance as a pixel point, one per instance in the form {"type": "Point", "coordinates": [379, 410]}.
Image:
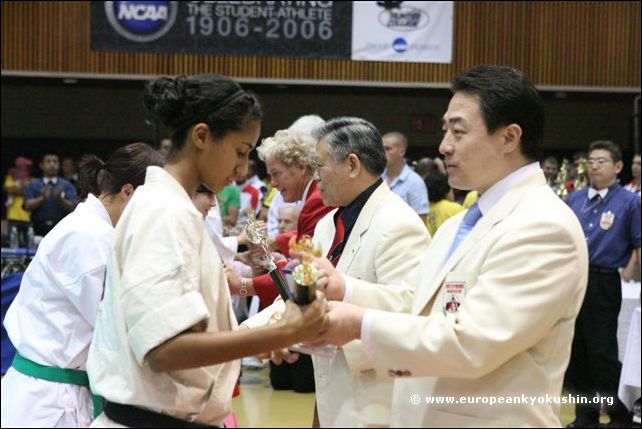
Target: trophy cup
{"type": "Point", "coordinates": [581, 175]}
{"type": "Point", "coordinates": [304, 274]}
{"type": "Point", "coordinates": [257, 236]}
{"type": "Point", "coordinates": [560, 180]}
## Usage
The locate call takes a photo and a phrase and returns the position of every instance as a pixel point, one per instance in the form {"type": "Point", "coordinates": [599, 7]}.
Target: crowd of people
{"type": "Point", "coordinates": [129, 313]}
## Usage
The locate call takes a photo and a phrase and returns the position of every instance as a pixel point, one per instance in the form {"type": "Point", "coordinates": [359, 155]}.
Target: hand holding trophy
{"type": "Point", "coordinates": [257, 236]}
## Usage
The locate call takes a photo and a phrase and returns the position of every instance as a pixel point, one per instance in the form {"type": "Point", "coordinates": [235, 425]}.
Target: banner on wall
{"type": "Point", "coordinates": [309, 29]}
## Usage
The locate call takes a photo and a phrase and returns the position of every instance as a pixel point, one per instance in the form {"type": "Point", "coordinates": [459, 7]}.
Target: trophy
{"type": "Point", "coordinates": [581, 176]}
{"type": "Point", "coordinates": [560, 180]}
{"type": "Point", "coordinates": [304, 274]}
{"type": "Point", "coordinates": [256, 235]}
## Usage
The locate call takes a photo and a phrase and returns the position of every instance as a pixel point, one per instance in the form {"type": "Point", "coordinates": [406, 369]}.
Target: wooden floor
{"type": "Point", "coordinates": [260, 406]}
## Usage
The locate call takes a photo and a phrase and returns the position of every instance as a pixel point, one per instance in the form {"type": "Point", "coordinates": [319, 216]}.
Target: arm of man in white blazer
{"type": "Point", "coordinates": [398, 254]}
{"type": "Point", "coordinates": [529, 282]}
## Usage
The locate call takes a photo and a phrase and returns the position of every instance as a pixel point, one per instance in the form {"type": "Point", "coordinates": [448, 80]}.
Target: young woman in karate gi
{"type": "Point", "coordinates": [166, 348]}
{"type": "Point", "coordinates": [51, 321]}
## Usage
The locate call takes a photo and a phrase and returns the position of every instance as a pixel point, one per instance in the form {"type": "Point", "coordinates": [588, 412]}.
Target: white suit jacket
{"type": "Point", "coordinates": [524, 269]}
{"type": "Point", "coordinates": [385, 246]}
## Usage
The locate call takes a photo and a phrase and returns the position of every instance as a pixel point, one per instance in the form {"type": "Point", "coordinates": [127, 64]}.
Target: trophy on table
{"type": "Point", "coordinates": [560, 180]}
{"type": "Point", "coordinates": [581, 175]}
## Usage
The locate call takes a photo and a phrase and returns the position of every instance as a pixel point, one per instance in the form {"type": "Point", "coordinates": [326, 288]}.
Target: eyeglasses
{"type": "Point", "coordinates": [597, 161]}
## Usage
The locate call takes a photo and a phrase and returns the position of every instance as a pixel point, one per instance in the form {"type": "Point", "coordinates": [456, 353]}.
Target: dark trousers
{"type": "Point", "coordinates": [594, 365]}
{"type": "Point", "coordinates": [298, 376]}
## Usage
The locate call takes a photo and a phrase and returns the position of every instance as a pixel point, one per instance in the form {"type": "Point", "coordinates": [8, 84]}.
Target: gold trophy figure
{"type": "Point", "coordinates": [304, 274]}
{"type": "Point", "coordinates": [581, 175]}
{"type": "Point", "coordinates": [560, 180]}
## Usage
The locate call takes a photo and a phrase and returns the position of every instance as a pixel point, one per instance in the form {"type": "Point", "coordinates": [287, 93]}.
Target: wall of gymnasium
{"type": "Point", "coordinates": [584, 55]}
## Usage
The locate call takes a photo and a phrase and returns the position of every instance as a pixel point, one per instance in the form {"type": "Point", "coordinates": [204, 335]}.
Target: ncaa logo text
{"type": "Point", "coordinates": [141, 21]}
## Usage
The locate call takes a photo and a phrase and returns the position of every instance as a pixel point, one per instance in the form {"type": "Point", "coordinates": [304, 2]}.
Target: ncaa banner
{"type": "Point", "coordinates": [413, 31]}
{"type": "Point", "coordinates": [312, 29]}
{"type": "Point", "coordinates": [409, 31]}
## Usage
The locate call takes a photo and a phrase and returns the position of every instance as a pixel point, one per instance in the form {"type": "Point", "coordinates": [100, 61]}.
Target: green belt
{"type": "Point", "coordinates": [57, 375]}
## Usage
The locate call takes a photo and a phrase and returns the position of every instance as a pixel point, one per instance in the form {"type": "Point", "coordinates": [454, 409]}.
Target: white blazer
{"type": "Point", "coordinates": [385, 246]}
{"type": "Point", "coordinates": [524, 268]}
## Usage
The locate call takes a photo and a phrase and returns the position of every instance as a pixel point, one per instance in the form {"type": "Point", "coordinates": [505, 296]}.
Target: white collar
{"type": "Point", "coordinates": [305, 192]}
{"type": "Point", "coordinates": [94, 205]}
{"type": "Point", "coordinates": [47, 180]}
{"type": "Point", "coordinates": [499, 189]}
{"type": "Point", "coordinates": [592, 192]}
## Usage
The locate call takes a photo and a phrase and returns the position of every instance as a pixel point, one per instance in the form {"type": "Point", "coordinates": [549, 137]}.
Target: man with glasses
{"type": "Point", "coordinates": [610, 218]}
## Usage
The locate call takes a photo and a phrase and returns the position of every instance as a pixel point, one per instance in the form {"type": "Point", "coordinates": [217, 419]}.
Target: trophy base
{"type": "Point", "coordinates": [324, 351]}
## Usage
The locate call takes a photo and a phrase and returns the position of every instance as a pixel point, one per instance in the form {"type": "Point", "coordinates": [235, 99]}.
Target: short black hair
{"type": "Point", "coordinates": [506, 97]}
{"type": "Point", "coordinates": [612, 148]}
{"type": "Point", "coordinates": [438, 187]}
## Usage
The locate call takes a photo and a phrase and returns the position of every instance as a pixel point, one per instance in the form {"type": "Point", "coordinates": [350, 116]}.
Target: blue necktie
{"type": "Point", "coordinates": [468, 222]}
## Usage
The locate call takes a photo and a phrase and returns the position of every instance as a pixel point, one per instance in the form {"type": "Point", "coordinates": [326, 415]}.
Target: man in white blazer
{"type": "Point", "coordinates": [492, 309]}
{"type": "Point", "coordinates": [380, 239]}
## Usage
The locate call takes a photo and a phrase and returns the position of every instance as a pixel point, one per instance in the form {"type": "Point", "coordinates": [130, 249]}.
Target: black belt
{"type": "Point", "coordinates": [601, 270]}
{"type": "Point", "coordinates": [135, 417]}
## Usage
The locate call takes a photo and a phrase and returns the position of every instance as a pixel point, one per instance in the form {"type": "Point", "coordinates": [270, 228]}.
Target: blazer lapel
{"type": "Point", "coordinates": [496, 214]}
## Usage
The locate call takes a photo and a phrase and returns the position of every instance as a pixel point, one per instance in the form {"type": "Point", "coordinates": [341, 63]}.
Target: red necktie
{"type": "Point", "coordinates": [339, 235]}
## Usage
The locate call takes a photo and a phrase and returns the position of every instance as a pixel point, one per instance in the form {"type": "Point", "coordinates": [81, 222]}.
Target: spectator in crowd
{"type": "Point", "coordinates": [401, 179]}
{"type": "Point", "coordinates": [440, 165]}
{"type": "Point", "coordinates": [550, 165]}
{"type": "Point", "coordinates": [442, 206]}
{"type": "Point", "coordinates": [610, 218]}
{"type": "Point", "coordinates": [69, 170]}
{"type": "Point", "coordinates": [165, 147]}
{"type": "Point", "coordinates": [288, 217]}
{"type": "Point", "coordinates": [632, 270]}
{"type": "Point", "coordinates": [51, 321]}
{"type": "Point", "coordinates": [572, 173]}
{"type": "Point", "coordinates": [204, 200]}
{"type": "Point", "coordinates": [634, 184]}
{"type": "Point", "coordinates": [229, 201]}
{"type": "Point", "coordinates": [49, 198]}
{"type": "Point", "coordinates": [425, 166]}
{"type": "Point", "coordinates": [253, 190]}
{"type": "Point", "coordinates": [15, 183]}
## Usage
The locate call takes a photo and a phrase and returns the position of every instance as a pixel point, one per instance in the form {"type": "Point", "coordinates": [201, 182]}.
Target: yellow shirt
{"type": "Point", "coordinates": [439, 212]}
{"type": "Point", "coordinates": [470, 199]}
{"type": "Point", "coordinates": [14, 209]}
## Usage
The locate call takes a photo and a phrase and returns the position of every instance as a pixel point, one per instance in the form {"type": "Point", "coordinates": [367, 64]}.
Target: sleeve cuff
{"type": "Point", "coordinates": [347, 295]}
{"type": "Point", "coordinates": [166, 322]}
{"type": "Point", "coordinates": [365, 332]}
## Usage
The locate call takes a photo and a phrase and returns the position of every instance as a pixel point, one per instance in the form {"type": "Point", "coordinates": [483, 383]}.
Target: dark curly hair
{"type": "Point", "coordinates": [216, 100]}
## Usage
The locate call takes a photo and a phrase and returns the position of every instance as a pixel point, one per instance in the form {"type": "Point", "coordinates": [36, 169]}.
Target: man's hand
{"type": "Point", "coordinates": [344, 325]}
{"type": "Point", "coordinates": [46, 191]}
{"type": "Point", "coordinates": [305, 321]}
{"type": "Point", "coordinates": [329, 280]}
